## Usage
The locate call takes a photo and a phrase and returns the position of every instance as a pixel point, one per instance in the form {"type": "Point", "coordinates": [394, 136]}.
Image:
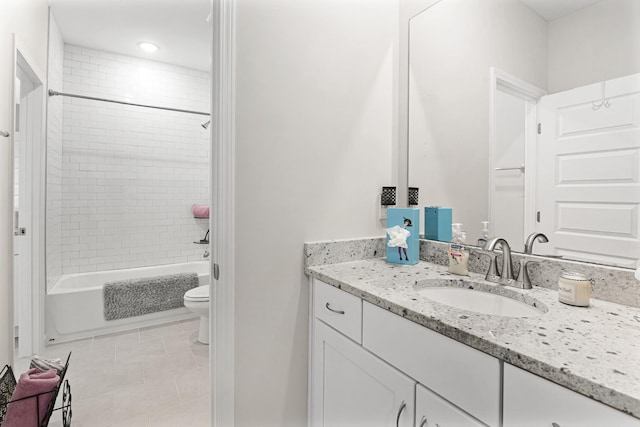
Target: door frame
{"type": "Point", "coordinates": [532, 94]}
{"type": "Point", "coordinates": [222, 224]}
{"type": "Point", "coordinates": [32, 331]}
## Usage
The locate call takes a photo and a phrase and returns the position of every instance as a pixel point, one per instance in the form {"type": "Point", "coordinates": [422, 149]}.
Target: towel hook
{"type": "Point", "coordinates": [603, 101]}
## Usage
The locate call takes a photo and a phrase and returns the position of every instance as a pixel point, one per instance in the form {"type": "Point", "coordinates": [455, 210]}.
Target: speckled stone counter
{"type": "Point", "coordinates": [594, 351]}
{"type": "Point", "coordinates": [612, 284]}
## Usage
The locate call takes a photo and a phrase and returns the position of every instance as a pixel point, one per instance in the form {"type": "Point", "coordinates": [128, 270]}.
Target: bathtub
{"type": "Point", "coordinates": [74, 305]}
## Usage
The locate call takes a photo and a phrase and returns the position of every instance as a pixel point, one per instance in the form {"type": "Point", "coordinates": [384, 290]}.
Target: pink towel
{"type": "Point", "coordinates": [23, 413]}
{"type": "Point", "coordinates": [200, 211]}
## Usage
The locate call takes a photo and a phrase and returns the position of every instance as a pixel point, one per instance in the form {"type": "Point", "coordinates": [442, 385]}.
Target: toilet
{"type": "Point", "coordinates": [197, 300]}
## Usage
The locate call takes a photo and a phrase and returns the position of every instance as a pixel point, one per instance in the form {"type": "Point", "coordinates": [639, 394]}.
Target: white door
{"type": "Point", "coordinates": [352, 388]}
{"type": "Point", "coordinates": [588, 189]}
{"type": "Point", "coordinates": [512, 155]}
{"type": "Point", "coordinates": [507, 205]}
{"type": "Point", "coordinates": [22, 152]}
{"type": "Point", "coordinates": [28, 150]}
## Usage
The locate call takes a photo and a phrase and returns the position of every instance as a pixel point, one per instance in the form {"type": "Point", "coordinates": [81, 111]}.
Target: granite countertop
{"type": "Point", "coordinates": [594, 351]}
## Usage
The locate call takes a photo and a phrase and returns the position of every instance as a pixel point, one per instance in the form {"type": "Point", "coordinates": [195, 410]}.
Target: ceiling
{"type": "Point", "coordinates": [178, 27]}
{"type": "Point", "coordinates": [554, 9]}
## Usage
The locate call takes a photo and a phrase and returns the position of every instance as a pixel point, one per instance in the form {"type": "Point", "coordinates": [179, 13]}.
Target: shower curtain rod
{"type": "Point", "coordinates": [55, 93]}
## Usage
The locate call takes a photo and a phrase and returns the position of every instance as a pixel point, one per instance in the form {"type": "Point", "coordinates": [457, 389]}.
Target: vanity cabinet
{"type": "Point", "coordinates": [433, 411]}
{"type": "Point", "coordinates": [532, 401]}
{"type": "Point", "coordinates": [460, 374]}
{"type": "Point", "coordinates": [376, 383]}
{"type": "Point", "coordinates": [352, 387]}
{"type": "Point", "coordinates": [372, 367]}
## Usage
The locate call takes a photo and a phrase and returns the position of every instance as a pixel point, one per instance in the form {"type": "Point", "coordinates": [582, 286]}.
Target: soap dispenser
{"type": "Point", "coordinates": [484, 235]}
{"type": "Point", "coordinates": [458, 252]}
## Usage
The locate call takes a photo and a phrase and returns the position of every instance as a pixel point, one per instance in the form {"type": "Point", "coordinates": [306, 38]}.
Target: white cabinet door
{"type": "Point", "coordinates": [433, 411]}
{"type": "Point", "coordinates": [531, 401]}
{"type": "Point", "coordinates": [351, 387]}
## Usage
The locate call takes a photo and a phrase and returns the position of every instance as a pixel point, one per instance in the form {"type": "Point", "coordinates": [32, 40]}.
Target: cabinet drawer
{"type": "Point", "coordinates": [338, 309]}
{"type": "Point", "coordinates": [460, 374]}
{"type": "Point", "coordinates": [531, 401]}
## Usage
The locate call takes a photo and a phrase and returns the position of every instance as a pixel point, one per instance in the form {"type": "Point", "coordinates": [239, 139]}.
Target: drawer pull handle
{"type": "Point", "coordinates": [404, 405]}
{"type": "Point", "coordinates": [423, 422]}
{"type": "Point", "coordinates": [331, 309]}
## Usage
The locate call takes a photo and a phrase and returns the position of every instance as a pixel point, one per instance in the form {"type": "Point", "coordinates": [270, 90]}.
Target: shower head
{"type": "Point", "coordinates": [206, 124]}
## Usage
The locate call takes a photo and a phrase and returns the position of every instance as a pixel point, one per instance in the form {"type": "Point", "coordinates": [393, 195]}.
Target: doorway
{"type": "Point", "coordinates": [513, 129]}
{"type": "Point", "coordinates": [28, 203]}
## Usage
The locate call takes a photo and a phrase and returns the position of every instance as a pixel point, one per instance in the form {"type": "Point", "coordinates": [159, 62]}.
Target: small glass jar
{"type": "Point", "coordinates": [574, 289]}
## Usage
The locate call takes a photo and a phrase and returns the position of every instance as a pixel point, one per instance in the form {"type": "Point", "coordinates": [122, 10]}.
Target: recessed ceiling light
{"type": "Point", "coordinates": [148, 47]}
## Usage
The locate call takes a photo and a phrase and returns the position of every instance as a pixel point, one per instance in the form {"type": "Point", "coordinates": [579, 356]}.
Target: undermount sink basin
{"type": "Point", "coordinates": [480, 298]}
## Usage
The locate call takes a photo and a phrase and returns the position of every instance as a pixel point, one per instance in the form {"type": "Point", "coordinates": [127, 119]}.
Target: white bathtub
{"type": "Point", "coordinates": [74, 305]}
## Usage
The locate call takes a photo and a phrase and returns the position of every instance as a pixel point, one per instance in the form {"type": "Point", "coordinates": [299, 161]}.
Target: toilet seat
{"type": "Point", "coordinates": [197, 294]}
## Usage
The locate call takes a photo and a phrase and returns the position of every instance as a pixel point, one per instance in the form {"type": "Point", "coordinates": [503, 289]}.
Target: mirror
{"type": "Point", "coordinates": [478, 74]}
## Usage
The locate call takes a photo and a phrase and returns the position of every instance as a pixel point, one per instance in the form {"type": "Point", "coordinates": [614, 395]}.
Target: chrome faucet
{"type": "Point", "coordinates": [528, 245]}
{"type": "Point", "coordinates": [506, 277]}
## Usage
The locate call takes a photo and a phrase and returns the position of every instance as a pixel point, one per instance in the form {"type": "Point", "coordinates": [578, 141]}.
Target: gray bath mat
{"type": "Point", "coordinates": [135, 297]}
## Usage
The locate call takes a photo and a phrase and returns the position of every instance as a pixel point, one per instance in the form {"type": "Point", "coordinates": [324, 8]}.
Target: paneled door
{"type": "Point", "coordinates": [588, 188]}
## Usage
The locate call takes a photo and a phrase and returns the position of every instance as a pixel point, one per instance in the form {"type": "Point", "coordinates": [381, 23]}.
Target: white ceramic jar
{"type": "Point", "coordinates": [574, 289]}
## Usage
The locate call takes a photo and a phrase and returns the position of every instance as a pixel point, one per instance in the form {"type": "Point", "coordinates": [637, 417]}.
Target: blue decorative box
{"type": "Point", "coordinates": [403, 235]}
{"type": "Point", "coordinates": [437, 223]}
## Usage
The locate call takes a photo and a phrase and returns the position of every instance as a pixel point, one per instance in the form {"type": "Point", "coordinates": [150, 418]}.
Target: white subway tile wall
{"type": "Point", "coordinates": [53, 235]}
{"type": "Point", "coordinates": [130, 174]}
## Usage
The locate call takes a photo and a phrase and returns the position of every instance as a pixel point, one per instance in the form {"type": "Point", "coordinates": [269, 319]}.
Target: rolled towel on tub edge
{"type": "Point", "coordinates": [200, 211]}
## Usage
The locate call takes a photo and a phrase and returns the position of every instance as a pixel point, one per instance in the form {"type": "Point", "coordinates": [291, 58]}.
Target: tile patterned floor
{"type": "Point", "coordinates": [155, 376]}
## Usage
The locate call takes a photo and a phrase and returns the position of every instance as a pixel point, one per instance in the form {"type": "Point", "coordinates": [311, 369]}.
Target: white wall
{"type": "Point", "coordinates": [27, 19]}
{"type": "Point", "coordinates": [54, 156]}
{"type": "Point", "coordinates": [407, 10]}
{"type": "Point", "coordinates": [130, 174]}
{"type": "Point", "coordinates": [314, 130]}
{"type": "Point", "coordinates": [597, 43]}
{"type": "Point", "coordinates": [453, 46]}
